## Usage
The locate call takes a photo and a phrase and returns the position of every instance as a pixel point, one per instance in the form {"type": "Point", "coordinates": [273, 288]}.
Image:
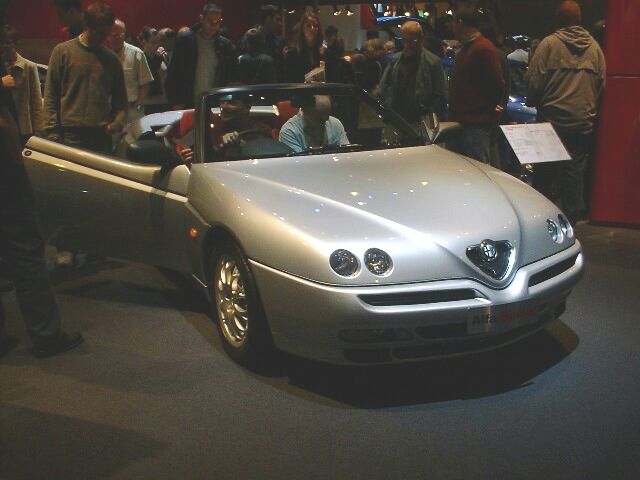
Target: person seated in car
{"type": "Point", "coordinates": [313, 126]}
{"type": "Point", "coordinates": [229, 127]}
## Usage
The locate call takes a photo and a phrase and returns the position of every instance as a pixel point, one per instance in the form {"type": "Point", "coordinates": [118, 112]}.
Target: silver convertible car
{"type": "Point", "coordinates": [325, 227]}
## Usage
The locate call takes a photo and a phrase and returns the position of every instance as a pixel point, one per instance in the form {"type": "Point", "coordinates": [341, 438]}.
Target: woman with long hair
{"type": "Point", "coordinates": [307, 52]}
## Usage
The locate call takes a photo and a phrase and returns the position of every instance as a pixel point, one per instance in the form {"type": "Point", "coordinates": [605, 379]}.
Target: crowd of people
{"type": "Point", "coordinates": [104, 76]}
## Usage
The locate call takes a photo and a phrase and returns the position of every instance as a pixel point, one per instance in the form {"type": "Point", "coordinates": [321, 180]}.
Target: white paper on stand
{"type": "Point", "coordinates": [535, 143]}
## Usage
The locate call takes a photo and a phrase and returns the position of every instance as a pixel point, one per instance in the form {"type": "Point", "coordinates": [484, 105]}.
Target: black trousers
{"type": "Point", "coordinates": [564, 182]}
{"type": "Point", "coordinates": [22, 247]}
{"type": "Point", "coordinates": [95, 139]}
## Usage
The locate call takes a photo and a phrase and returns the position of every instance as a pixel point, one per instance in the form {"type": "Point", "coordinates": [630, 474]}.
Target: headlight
{"type": "Point", "coordinates": [554, 231]}
{"type": "Point", "coordinates": [344, 263]}
{"type": "Point", "coordinates": [377, 261]}
{"type": "Point", "coordinates": [565, 225]}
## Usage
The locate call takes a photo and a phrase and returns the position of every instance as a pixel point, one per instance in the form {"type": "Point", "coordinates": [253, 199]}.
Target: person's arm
{"type": "Point", "coordinates": [119, 103]}
{"type": "Point", "coordinates": [52, 94]}
{"type": "Point", "coordinates": [536, 74]}
{"type": "Point", "coordinates": [289, 137]}
{"type": "Point", "coordinates": [172, 82]}
{"type": "Point", "coordinates": [602, 74]}
{"type": "Point", "coordinates": [384, 88]}
{"type": "Point", "coordinates": [145, 77]}
{"type": "Point", "coordinates": [493, 78]}
{"type": "Point", "coordinates": [143, 90]}
{"type": "Point", "coordinates": [439, 89]}
{"type": "Point", "coordinates": [338, 131]}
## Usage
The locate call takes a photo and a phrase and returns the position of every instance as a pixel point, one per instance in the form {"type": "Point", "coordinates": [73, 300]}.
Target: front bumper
{"type": "Point", "coordinates": [384, 324]}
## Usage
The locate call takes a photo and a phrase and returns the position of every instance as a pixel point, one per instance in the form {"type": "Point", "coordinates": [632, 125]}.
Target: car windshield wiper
{"type": "Point", "coordinates": [349, 147]}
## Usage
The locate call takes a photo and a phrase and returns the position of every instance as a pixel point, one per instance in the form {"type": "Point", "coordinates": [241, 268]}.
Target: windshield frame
{"type": "Point", "coordinates": [210, 100]}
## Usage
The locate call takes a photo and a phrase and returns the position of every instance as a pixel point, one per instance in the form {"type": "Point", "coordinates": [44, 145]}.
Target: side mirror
{"type": "Point", "coordinates": [152, 152]}
{"type": "Point", "coordinates": [436, 131]}
{"type": "Point", "coordinates": [430, 127]}
{"type": "Point", "coordinates": [447, 132]}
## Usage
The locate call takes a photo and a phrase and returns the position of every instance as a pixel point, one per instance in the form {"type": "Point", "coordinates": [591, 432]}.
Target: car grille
{"type": "Point", "coordinates": [553, 271]}
{"type": "Point", "coordinates": [418, 298]}
{"type": "Point", "coordinates": [466, 345]}
{"type": "Point", "coordinates": [446, 347]}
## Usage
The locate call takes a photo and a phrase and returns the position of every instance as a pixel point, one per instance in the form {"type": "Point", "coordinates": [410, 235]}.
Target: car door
{"type": "Point", "coordinates": [105, 205]}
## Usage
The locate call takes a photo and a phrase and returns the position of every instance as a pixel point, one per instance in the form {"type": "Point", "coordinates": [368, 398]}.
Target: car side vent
{"type": "Point", "coordinates": [418, 298]}
{"type": "Point", "coordinates": [553, 271]}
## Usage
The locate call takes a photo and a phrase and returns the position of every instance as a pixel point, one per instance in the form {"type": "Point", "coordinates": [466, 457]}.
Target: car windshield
{"type": "Point", "coordinates": [518, 83]}
{"type": "Point", "coordinates": [278, 121]}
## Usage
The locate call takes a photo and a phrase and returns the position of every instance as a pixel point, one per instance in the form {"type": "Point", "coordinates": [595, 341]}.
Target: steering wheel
{"type": "Point", "coordinates": [242, 133]}
{"type": "Point", "coordinates": [259, 131]}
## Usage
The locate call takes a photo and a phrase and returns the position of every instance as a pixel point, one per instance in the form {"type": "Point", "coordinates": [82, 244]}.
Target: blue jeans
{"type": "Point", "coordinates": [474, 141]}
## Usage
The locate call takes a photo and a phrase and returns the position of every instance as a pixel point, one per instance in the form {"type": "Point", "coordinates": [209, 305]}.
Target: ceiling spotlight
{"type": "Point", "coordinates": [348, 11]}
{"type": "Point", "coordinates": [336, 10]}
{"type": "Point", "coordinates": [449, 12]}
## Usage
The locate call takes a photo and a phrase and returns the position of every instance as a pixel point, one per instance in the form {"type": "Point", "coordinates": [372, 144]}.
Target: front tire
{"type": "Point", "coordinates": [240, 317]}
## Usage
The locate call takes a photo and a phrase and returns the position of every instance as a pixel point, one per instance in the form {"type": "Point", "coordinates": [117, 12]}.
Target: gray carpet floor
{"type": "Point", "coordinates": [151, 394]}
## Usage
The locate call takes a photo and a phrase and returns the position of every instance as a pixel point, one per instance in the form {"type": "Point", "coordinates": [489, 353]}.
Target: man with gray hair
{"type": "Point", "coordinates": [566, 77]}
{"type": "Point", "coordinates": [137, 74]}
{"type": "Point", "coordinates": [413, 84]}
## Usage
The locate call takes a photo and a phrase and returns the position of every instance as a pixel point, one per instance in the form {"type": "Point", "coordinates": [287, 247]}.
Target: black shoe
{"type": "Point", "coordinates": [7, 344]}
{"type": "Point", "coordinates": [61, 343]}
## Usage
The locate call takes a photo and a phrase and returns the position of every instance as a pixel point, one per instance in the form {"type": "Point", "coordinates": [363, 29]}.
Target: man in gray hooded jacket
{"type": "Point", "coordinates": [566, 76]}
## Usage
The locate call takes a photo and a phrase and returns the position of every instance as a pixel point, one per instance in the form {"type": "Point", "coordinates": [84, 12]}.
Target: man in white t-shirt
{"type": "Point", "coordinates": [137, 74]}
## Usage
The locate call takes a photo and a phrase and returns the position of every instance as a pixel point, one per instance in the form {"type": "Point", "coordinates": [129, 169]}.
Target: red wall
{"type": "Point", "coordinates": [239, 15]}
{"type": "Point", "coordinates": [616, 178]}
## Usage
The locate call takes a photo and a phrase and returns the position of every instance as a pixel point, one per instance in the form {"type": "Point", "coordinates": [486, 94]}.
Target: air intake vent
{"type": "Point", "coordinates": [418, 298]}
{"type": "Point", "coordinates": [551, 272]}
{"type": "Point", "coordinates": [458, 346]}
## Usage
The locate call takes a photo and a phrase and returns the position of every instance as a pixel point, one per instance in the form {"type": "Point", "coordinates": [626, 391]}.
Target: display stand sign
{"type": "Point", "coordinates": [535, 143]}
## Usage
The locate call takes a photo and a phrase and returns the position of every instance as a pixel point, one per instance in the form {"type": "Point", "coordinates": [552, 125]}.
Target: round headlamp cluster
{"type": "Point", "coordinates": [565, 226]}
{"type": "Point", "coordinates": [560, 229]}
{"type": "Point", "coordinates": [377, 261]}
{"type": "Point", "coordinates": [554, 231]}
{"type": "Point", "coordinates": [346, 264]}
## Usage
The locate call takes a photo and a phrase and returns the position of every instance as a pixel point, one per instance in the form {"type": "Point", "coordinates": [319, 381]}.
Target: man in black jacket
{"type": "Point", "coordinates": [21, 244]}
{"type": "Point", "coordinates": [202, 59]}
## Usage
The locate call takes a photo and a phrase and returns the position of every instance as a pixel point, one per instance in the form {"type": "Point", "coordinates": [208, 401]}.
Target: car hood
{"type": "Point", "coordinates": [424, 206]}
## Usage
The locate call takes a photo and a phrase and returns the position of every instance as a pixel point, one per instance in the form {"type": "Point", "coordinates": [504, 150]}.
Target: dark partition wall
{"type": "Point", "coordinates": [37, 18]}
